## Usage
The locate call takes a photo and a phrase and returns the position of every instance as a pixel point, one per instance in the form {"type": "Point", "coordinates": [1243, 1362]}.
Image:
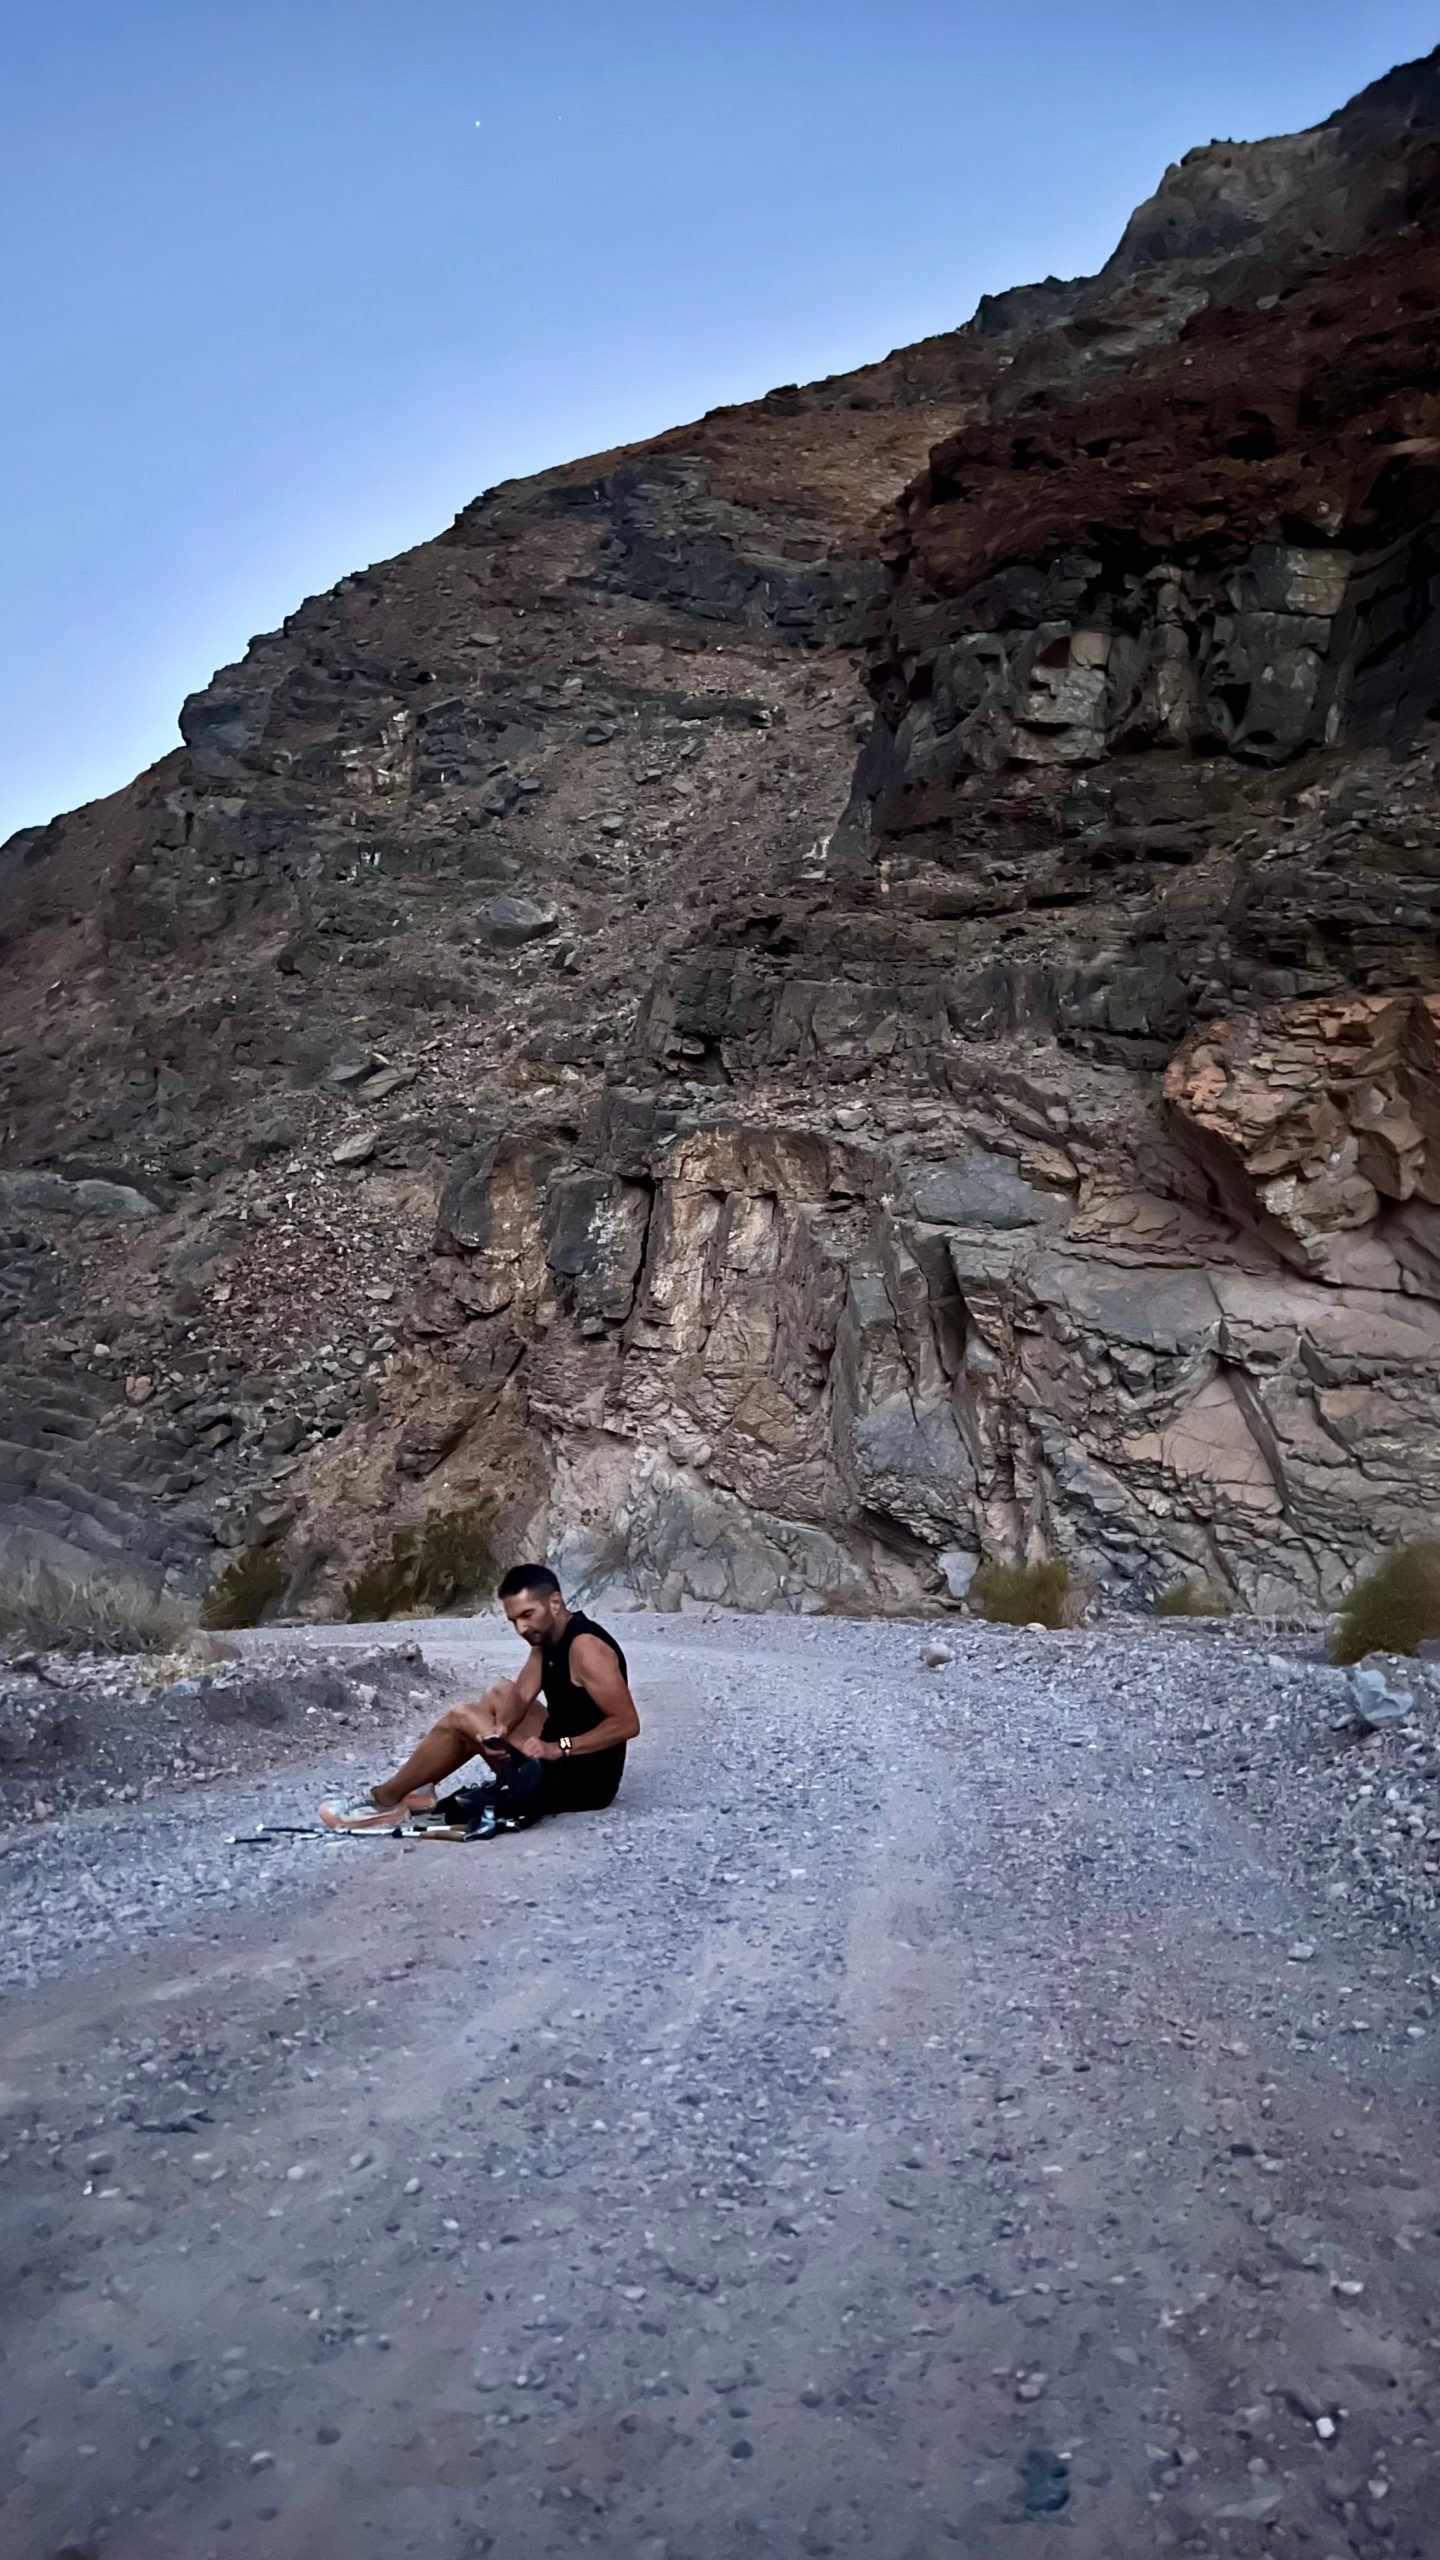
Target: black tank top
{"type": "Point", "coordinates": [574, 1785]}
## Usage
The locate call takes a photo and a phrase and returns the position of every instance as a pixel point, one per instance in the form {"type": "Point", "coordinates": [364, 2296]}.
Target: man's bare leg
{"type": "Point", "coordinates": [445, 1748]}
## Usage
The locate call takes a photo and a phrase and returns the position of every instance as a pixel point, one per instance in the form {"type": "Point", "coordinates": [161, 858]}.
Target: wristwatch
{"type": "Point", "coordinates": [564, 1746]}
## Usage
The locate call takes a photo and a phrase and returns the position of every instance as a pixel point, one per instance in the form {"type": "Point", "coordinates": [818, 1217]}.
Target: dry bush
{"type": "Point", "coordinates": [1195, 1598]}
{"type": "Point", "coordinates": [1021, 1595]}
{"type": "Point", "coordinates": [1395, 1608]}
{"type": "Point", "coordinates": [249, 1585]}
{"type": "Point", "coordinates": [95, 1612]}
{"type": "Point", "coordinates": [443, 1565]}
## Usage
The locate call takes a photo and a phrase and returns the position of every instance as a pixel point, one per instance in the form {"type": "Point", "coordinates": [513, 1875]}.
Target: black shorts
{"type": "Point", "coordinates": [582, 1786]}
{"type": "Point", "coordinates": [536, 1787]}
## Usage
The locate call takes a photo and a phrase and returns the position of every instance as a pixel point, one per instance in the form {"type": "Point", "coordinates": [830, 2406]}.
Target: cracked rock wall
{"type": "Point", "coordinates": [849, 989]}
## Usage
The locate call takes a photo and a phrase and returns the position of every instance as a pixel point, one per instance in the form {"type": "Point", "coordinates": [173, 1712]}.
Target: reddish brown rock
{"type": "Point", "coordinates": [1311, 1120]}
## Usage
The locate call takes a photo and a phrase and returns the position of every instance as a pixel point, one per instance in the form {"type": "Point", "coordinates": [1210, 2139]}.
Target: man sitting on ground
{"type": "Point", "coordinates": [555, 1737]}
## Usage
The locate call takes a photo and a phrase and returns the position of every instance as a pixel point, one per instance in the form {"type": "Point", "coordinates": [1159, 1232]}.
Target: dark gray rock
{"type": "Point", "coordinates": [29, 1189]}
{"type": "Point", "coordinates": [1044, 2483]}
{"type": "Point", "coordinates": [980, 1190]}
{"type": "Point", "coordinates": [511, 920]}
{"type": "Point", "coordinates": [595, 1226]}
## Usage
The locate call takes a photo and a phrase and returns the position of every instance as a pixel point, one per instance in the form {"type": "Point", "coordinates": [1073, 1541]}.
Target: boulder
{"type": "Point", "coordinates": [27, 1189]}
{"type": "Point", "coordinates": [511, 920]}
{"type": "Point", "coordinates": [1374, 1701]}
{"type": "Point", "coordinates": [357, 1149]}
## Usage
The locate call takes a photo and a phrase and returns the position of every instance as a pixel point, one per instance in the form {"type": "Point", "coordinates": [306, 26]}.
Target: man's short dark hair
{"type": "Point", "coordinates": [529, 1577]}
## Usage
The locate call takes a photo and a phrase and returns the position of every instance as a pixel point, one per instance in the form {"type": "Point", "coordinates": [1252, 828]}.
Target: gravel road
{"type": "Point", "coordinates": [990, 2108]}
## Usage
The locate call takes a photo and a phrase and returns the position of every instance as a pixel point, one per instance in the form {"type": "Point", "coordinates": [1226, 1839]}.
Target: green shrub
{"type": "Point", "coordinates": [1395, 1608]}
{"type": "Point", "coordinates": [1021, 1595]}
{"type": "Point", "coordinates": [1194, 1598]}
{"type": "Point", "coordinates": [249, 1585]}
{"type": "Point", "coordinates": [97, 1612]}
{"type": "Point", "coordinates": [442, 1565]}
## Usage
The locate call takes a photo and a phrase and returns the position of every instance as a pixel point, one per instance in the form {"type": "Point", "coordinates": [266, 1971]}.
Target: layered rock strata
{"type": "Point", "coordinates": [850, 989]}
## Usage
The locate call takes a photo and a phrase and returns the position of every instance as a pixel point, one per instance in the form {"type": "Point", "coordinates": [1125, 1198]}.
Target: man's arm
{"type": "Point", "coordinates": [600, 1676]}
{"type": "Point", "coordinates": [525, 1713]}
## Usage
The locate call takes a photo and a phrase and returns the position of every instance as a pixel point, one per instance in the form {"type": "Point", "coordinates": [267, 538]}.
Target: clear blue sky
{"type": "Point", "coordinates": [288, 281]}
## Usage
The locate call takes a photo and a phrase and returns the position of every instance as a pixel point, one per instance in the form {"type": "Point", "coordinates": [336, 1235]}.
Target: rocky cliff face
{"type": "Point", "coordinates": [850, 988]}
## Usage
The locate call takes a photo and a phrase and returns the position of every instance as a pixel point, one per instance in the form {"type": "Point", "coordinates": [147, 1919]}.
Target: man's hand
{"type": "Point", "coordinates": [532, 1748]}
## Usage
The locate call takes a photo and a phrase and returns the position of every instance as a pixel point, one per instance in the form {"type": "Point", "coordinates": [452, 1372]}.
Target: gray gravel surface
{"type": "Point", "coordinates": [80, 1730]}
{"type": "Point", "coordinates": [989, 2107]}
